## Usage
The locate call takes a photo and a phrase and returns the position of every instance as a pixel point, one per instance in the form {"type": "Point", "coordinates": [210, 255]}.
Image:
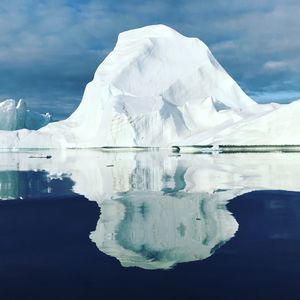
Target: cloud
{"type": "Point", "coordinates": [49, 50]}
{"type": "Point", "coordinates": [281, 65]}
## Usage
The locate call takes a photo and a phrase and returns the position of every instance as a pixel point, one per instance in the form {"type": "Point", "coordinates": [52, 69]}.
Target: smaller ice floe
{"type": "Point", "coordinates": [15, 115]}
{"type": "Point", "coordinates": [58, 175]}
{"type": "Point", "coordinates": [40, 156]}
{"type": "Point", "coordinates": [199, 149]}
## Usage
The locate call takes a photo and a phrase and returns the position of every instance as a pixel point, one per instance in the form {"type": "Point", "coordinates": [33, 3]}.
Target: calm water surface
{"type": "Point", "coordinates": [149, 225]}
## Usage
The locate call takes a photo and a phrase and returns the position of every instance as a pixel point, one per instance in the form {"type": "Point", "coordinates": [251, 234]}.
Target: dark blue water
{"type": "Point", "coordinates": [46, 253]}
{"type": "Point", "coordinates": [149, 225]}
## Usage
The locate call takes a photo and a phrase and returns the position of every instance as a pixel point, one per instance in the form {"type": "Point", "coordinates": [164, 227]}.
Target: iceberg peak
{"type": "Point", "coordinates": [151, 31]}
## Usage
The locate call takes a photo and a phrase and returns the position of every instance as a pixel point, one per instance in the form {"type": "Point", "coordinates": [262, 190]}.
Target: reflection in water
{"type": "Point", "coordinates": [31, 184]}
{"type": "Point", "coordinates": [157, 209]}
{"type": "Point", "coordinates": [157, 230]}
{"type": "Point", "coordinates": [9, 185]}
{"type": "Point", "coordinates": [27, 184]}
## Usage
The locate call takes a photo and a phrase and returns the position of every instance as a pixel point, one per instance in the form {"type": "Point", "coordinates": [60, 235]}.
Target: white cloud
{"type": "Point", "coordinates": [277, 65]}
{"type": "Point", "coordinates": [223, 46]}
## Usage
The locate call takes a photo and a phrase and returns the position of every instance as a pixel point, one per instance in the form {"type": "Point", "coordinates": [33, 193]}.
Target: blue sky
{"type": "Point", "coordinates": [49, 50]}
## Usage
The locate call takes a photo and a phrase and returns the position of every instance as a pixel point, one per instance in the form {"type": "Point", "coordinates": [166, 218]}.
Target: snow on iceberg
{"type": "Point", "coordinates": [158, 88]}
{"type": "Point", "coordinates": [15, 115]}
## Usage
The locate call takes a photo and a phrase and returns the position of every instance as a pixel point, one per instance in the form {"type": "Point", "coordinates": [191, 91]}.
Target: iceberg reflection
{"type": "Point", "coordinates": [158, 230]}
{"type": "Point", "coordinates": [157, 209]}
{"type": "Point", "coordinates": [16, 184]}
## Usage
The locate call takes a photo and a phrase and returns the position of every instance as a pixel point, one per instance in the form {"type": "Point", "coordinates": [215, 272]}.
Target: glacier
{"type": "Point", "coordinates": [15, 115]}
{"type": "Point", "coordinates": [158, 88]}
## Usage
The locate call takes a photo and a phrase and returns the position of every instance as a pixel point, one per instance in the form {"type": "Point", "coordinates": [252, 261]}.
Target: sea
{"type": "Point", "coordinates": [123, 224]}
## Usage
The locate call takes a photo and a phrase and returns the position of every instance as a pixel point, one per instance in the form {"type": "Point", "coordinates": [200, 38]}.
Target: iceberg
{"type": "Point", "coordinates": [158, 88]}
{"type": "Point", "coordinates": [15, 115]}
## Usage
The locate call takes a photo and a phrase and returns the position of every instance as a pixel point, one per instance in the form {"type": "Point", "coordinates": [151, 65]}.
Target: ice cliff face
{"type": "Point", "coordinates": [15, 115]}
{"type": "Point", "coordinates": [159, 88]}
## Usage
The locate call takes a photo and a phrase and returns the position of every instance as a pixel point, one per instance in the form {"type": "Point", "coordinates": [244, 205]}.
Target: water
{"type": "Point", "coordinates": [149, 225]}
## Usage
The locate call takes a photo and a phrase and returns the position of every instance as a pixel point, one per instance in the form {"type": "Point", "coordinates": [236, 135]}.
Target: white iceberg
{"type": "Point", "coordinates": [158, 88]}
{"type": "Point", "coordinates": [15, 115]}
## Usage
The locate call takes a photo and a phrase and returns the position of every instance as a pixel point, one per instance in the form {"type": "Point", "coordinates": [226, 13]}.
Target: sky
{"type": "Point", "coordinates": [49, 50]}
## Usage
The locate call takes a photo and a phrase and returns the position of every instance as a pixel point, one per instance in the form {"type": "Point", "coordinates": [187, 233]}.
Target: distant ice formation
{"type": "Point", "coordinates": [158, 88]}
{"type": "Point", "coordinates": [15, 115]}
